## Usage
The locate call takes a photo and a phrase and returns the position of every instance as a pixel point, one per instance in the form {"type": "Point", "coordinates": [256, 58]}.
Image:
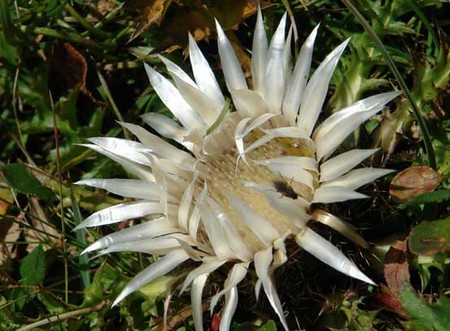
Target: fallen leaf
{"type": "Point", "coordinates": [231, 12]}
{"type": "Point", "coordinates": [42, 230]}
{"type": "Point", "coordinates": [390, 301]}
{"type": "Point", "coordinates": [396, 274]}
{"type": "Point", "coordinates": [10, 231]}
{"type": "Point", "coordinates": [150, 12]}
{"type": "Point", "coordinates": [6, 198]}
{"type": "Point", "coordinates": [396, 266]}
{"type": "Point", "coordinates": [414, 181]}
{"type": "Point", "coordinates": [104, 7]}
{"type": "Point", "coordinates": [193, 16]}
{"type": "Point", "coordinates": [72, 66]}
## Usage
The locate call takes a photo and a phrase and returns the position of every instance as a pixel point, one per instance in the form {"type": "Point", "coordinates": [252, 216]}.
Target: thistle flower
{"type": "Point", "coordinates": [248, 175]}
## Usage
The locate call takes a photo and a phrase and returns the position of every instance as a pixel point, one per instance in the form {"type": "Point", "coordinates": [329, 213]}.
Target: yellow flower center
{"type": "Point", "coordinates": [227, 174]}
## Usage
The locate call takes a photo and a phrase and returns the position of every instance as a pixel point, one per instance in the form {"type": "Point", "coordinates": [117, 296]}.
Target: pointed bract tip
{"type": "Point", "coordinates": [149, 70]}
{"type": "Point", "coordinates": [78, 227]}
{"type": "Point", "coordinates": [191, 38]}
{"type": "Point", "coordinates": [220, 33]}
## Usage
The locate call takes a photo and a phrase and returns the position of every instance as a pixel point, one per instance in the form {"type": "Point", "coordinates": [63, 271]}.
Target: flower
{"type": "Point", "coordinates": [246, 180]}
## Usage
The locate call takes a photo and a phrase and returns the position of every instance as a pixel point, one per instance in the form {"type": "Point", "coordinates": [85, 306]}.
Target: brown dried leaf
{"type": "Point", "coordinates": [396, 267]}
{"type": "Point", "coordinates": [396, 274]}
{"type": "Point", "coordinates": [414, 181]}
{"type": "Point", "coordinates": [42, 231]}
{"type": "Point", "coordinates": [150, 11]}
{"type": "Point", "coordinates": [72, 66]}
{"type": "Point", "coordinates": [5, 198]}
{"type": "Point", "coordinates": [104, 7]}
{"type": "Point", "coordinates": [9, 232]}
{"type": "Point", "coordinates": [230, 13]}
{"type": "Point", "coordinates": [198, 21]}
{"type": "Point", "coordinates": [390, 301]}
{"type": "Point", "coordinates": [193, 16]}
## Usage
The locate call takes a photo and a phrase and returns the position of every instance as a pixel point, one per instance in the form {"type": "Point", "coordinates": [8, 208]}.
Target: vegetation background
{"type": "Point", "coordinates": [70, 69]}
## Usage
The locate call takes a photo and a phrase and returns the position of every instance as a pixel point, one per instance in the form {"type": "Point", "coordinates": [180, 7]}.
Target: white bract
{"type": "Point", "coordinates": [249, 173]}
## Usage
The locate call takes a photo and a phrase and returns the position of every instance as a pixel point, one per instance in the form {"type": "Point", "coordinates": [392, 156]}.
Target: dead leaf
{"type": "Point", "coordinates": [104, 7]}
{"type": "Point", "coordinates": [150, 12]}
{"type": "Point", "coordinates": [9, 233]}
{"type": "Point", "coordinates": [6, 198]}
{"type": "Point", "coordinates": [414, 181]}
{"type": "Point", "coordinates": [193, 16]}
{"type": "Point", "coordinates": [72, 66]}
{"type": "Point", "coordinates": [396, 266]}
{"type": "Point", "coordinates": [9, 230]}
{"type": "Point", "coordinates": [231, 12]}
{"type": "Point", "coordinates": [390, 301]}
{"type": "Point", "coordinates": [396, 274]}
{"type": "Point", "coordinates": [42, 232]}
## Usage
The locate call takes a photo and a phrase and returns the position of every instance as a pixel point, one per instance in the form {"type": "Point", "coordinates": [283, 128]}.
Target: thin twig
{"type": "Point", "coordinates": [60, 191]}
{"type": "Point", "coordinates": [57, 318]}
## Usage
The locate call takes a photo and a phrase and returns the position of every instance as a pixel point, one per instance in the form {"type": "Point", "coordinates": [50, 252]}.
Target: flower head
{"type": "Point", "coordinates": [248, 175]}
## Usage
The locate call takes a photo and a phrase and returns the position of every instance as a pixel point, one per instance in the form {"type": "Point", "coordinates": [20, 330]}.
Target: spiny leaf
{"type": "Point", "coordinates": [436, 196]}
{"type": "Point", "coordinates": [425, 316]}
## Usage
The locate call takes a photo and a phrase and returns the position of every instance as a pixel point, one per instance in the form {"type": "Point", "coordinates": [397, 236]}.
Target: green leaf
{"type": "Point", "coordinates": [430, 237]}
{"type": "Point", "coordinates": [106, 280]}
{"type": "Point", "coordinates": [248, 326]}
{"type": "Point", "coordinates": [81, 238]}
{"type": "Point", "coordinates": [53, 304]}
{"type": "Point", "coordinates": [158, 288]}
{"type": "Point", "coordinates": [93, 294]}
{"type": "Point", "coordinates": [425, 316]}
{"type": "Point", "coordinates": [269, 326]}
{"type": "Point", "coordinates": [32, 268]}
{"type": "Point", "coordinates": [436, 196]}
{"type": "Point", "coordinates": [20, 297]}
{"type": "Point", "coordinates": [12, 34]}
{"type": "Point", "coordinates": [21, 179]}
{"type": "Point", "coordinates": [8, 53]}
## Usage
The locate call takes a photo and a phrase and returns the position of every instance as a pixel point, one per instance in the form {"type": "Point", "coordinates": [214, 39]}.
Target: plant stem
{"type": "Point", "coordinates": [86, 24]}
{"type": "Point", "coordinates": [61, 317]}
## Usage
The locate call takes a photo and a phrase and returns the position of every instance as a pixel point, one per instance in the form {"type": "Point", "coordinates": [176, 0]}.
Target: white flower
{"type": "Point", "coordinates": [250, 177]}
